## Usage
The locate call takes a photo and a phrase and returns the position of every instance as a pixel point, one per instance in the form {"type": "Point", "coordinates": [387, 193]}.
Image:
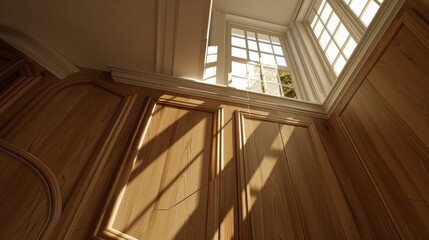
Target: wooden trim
{"type": "Point", "coordinates": [47, 177]}
{"type": "Point", "coordinates": [364, 57]}
{"type": "Point", "coordinates": [217, 92]}
{"type": "Point", "coordinates": [409, 19]}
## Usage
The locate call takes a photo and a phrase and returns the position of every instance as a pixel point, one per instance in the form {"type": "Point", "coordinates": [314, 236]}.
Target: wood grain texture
{"type": "Point", "coordinates": [71, 127]}
{"type": "Point", "coordinates": [288, 188]}
{"type": "Point", "coordinates": [387, 123]}
{"type": "Point", "coordinates": [167, 193]}
{"type": "Point", "coordinates": [30, 198]}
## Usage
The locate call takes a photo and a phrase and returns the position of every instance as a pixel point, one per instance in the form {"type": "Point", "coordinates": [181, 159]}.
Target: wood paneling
{"type": "Point", "coordinates": [167, 187]}
{"type": "Point", "coordinates": [385, 123]}
{"type": "Point", "coordinates": [30, 199]}
{"type": "Point", "coordinates": [71, 127]}
{"type": "Point", "coordinates": [288, 187]}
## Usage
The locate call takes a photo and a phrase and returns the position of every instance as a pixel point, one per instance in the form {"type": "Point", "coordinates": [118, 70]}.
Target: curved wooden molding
{"type": "Point", "coordinates": [40, 52]}
{"type": "Point", "coordinates": [48, 180]}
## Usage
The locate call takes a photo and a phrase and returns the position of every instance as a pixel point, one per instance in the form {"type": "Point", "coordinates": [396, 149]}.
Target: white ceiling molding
{"type": "Point", "coordinates": [217, 92]}
{"type": "Point", "coordinates": [40, 52]}
{"type": "Point", "coordinates": [362, 53]}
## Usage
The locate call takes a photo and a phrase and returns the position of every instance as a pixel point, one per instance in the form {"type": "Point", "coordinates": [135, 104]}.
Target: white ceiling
{"type": "Point", "coordinates": [279, 12]}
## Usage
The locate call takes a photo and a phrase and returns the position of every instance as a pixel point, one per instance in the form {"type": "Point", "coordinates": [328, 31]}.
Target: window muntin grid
{"type": "Point", "coordinates": [258, 64]}
{"type": "Point", "coordinates": [333, 37]}
{"type": "Point", "coordinates": [364, 10]}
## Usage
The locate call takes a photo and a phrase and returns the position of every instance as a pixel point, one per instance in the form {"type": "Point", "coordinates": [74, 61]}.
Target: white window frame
{"type": "Point", "coordinates": [286, 54]}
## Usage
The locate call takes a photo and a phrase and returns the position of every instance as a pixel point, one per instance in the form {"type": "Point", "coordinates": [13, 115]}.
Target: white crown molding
{"type": "Point", "coordinates": [217, 92]}
{"type": "Point", "coordinates": [40, 52]}
{"type": "Point", "coordinates": [361, 55]}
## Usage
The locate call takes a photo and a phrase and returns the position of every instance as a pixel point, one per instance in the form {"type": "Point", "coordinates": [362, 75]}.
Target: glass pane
{"type": "Point", "coordinates": [252, 45]}
{"type": "Point", "coordinates": [254, 72]}
{"type": "Point", "coordinates": [237, 32]}
{"type": "Point", "coordinates": [270, 74]}
{"type": "Point", "coordinates": [255, 86]}
{"type": "Point", "coordinates": [273, 89]}
{"type": "Point", "coordinates": [278, 50]}
{"type": "Point", "coordinates": [263, 38]}
{"type": "Point", "coordinates": [239, 42]}
{"type": "Point", "coordinates": [333, 23]}
{"type": "Point", "coordinates": [357, 6]}
{"type": "Point", "coordinates": [339, 65]}
{"type": "Point", "coordinates": [281, 61]}
{"type": "Point", "coordinates": [318, 29]}
{"type": "Point", "coordinates": [313, 23]}
{"type": "Point", "coordinates": [251, 35]}
{"type": "Point", "coordinates": [268, 59]}
{"type": "Point", "coordinates": [326, 13]}
{"type": "Point", "coordinates": [319, 10]}
{"type": "Point", "coordinates": [253, 56]}
{"type": "Point", "coordinates": [240, 83]}
{"type": "Point", "coordinates": [341, 35]}
{"type": "Point", "coordinates": [285, 78]}
{"type": "Point", "coordinates": [211, 58]}
{"type": "Point", "coordinates": [324, 40]}
{"type": "Point", "coordinates": [369, 13]}
{"type": "Point", "coordinates": [265, 47]}
{"type": "Point", "coordinates": [275, 40]}
{"type": "Point", "coordinates": [238, 52]}
{"type": "Point", "coordinates": [210, 74]}
{"type": "Point", "coordinates": [238, 69]}
{"type": "Point", "coordinates": [350, 47]}
{"type": "Point", "coordinates": [332, 52]}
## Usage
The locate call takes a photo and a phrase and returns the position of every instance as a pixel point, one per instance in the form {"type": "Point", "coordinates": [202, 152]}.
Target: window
{"type": "Point", "coordinates": [333, 35]}
{"type": "Point", "coordinates": [365, 10]}
{"type": "Point", "coordinates": [258, 64]}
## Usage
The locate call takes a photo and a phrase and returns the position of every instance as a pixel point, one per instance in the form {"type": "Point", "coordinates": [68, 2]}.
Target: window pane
{"type": "Point", "coordinates": [240, 83]}
{"type": "Point", "coordinates": [265, 47]}
{"type": "Point", "coordinates": [369, 13]}
{"type": "Point", "coordinates": [275, 40]}
{"type": "Point", "coordinates": [255, 86]}
{"type": "Point", "coordinates": [318, 29]}
{"type": "Point", "coordinates": [341, 35]}
{"type": "Point", "coordinates": [237, 32]}
{"type": "Point", "coordinates": [239, 42]}
{"type": "Point", "coordinates": [254, 56]}
{"type": "Point", "coordinates": [313, 23]}
{"type": "Point", "coordinates": [281, 61]}
{"type": "Point", "coordinates": [357, 6]}
{"type": "Point", "coordinates": [238, 52]}
{"type": "Point", "coordinates": [251, 35]}
{"type": "Point", "coordinates": [339, 65]}
{"type": "Point", "coordinates": [326, 13]}
{"type": "Point", "coordinates": [268, 59]}
{"type": "Point", "coordinates": [252, 45]}
{"type": "Point", "coordinates": [324, 40]}
{"type": "Point", "coordinates": [333, 23]}
{"type": "Point", "coordinates": [273, 89]}
{"type": "Point", "coordinates": [350, 47]}
{"type": "Point", "coordinates": [254, 72]}
{"type": "Point", "coordinates": [239, 69]}
{"type": "Point", "coordinates": [263, 38]}
{"type": "Point", "coordinates": [332, 52]}
{"type": "Point", "coordinates": [319, 10]}
{"type": "Point", "coordinates": [270, 74]}
{"type": "Point", "coordinates": [278, 50]}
